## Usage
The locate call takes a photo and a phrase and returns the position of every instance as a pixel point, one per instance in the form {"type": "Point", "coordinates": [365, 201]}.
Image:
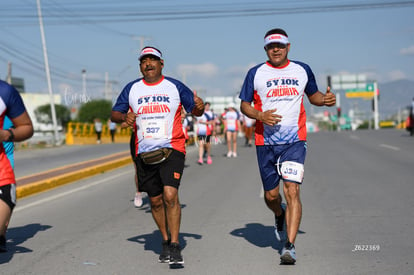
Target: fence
{"type": "Point", "coordinates": [84, 133]}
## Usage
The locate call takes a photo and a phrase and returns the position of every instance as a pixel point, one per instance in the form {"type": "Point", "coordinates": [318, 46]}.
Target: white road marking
{"type": "Point", "coordinates": [390, 147]}
{"type": "Point", "coordinates": [57, 196]}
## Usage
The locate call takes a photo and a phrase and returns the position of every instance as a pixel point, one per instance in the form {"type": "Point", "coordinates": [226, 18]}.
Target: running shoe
{"type": "Point", "coordinates": [234, 155]}
{"type": "Point", "coordinates": [280, 228]}
{"type": "Point", "coordinates": [165, 253]}
{"type": "Point", "coordinates": [288, 254]}
{"type": "Point", "coordinates": [200, 161]}
{"type": "Point", "coordinates": [209, 160]}
{"type": "Point", "coordinates": [3, 247]}
{"type": "Point", "coordinates": [138, 199]}
{"type": "Point", "coordinates": [175, 254]}
{"type": "Point", "coordinates": [229, 154]}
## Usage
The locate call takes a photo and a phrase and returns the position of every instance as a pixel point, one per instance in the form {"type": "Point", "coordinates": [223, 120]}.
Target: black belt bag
{"type": "Point", "coordinates": [157, 156]}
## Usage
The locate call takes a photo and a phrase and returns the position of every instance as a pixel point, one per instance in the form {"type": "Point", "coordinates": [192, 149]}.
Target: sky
{"type": "Point", "coordinates": [209, 45]}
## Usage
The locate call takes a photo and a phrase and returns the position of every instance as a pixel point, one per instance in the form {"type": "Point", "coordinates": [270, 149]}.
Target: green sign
{"type": "Point", "coordinates": [368, 92]}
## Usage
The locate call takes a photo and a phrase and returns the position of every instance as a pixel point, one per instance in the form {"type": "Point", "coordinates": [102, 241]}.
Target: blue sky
{"type": "Point", "coordinates": [211, 54]}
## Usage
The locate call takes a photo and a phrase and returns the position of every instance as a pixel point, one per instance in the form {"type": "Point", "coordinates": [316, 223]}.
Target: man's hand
{"type": "Point", "coordinates": [329, 99]}
{"type": "Point", "coordinates": [198, 109]}
{"type": "Point", "coordinates": [130, 119]}
{"type": "Point", "coordinates": [269, 117]}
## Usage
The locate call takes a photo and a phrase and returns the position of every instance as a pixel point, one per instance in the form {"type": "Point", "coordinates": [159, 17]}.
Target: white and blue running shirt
{"type": "Point", "coordinates": [158, 110]}
{"type": "Point", "coordinates": [283, 89]}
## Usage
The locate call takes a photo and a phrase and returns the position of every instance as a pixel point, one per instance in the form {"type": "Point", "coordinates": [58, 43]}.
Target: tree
{"type": "Point", "coordinates": [43, 114]}
{"type": "Point", "coordinates": [95, 109]}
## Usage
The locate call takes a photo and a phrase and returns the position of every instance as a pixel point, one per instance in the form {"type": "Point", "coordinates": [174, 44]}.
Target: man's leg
{"type": "Point", "coordinates": [173, 207]}
{"type": "Point", "coordinates": [273, 201]}
{"type": "Point", "coordinates": [158, 213]}
{"type": "Point", "coordinates": [173, 210]}
{"type": "Point", "coordinates": [5, 214]}
{"type": "Point", "coordinates": [293, 210]}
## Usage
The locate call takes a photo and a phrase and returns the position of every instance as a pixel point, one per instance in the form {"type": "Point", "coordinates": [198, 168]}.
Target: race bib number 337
{"type": "Point", "coordinates": [154, 129]}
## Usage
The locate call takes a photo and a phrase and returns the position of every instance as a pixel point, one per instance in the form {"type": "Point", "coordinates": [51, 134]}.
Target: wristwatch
{"type": "Point", "coordinates": [11, 137]}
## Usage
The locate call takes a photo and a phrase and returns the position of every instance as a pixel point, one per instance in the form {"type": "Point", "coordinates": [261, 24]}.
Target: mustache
{"type": "Point", "coordinates": [149, 68]}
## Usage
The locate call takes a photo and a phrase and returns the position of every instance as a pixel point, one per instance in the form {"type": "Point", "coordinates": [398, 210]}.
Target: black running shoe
{"type": "Point", "coordinates": [175, 254]}
{"type": "Point", "coordinates": [280, 231]}
{"type": "Point", "coordinates": [3, 246]}
{"type": "Point", "coordinates": [165, 253]}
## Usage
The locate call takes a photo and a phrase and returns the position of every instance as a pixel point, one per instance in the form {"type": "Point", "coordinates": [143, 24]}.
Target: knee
{"type": "Point", "coordinates": [157, 203]}
{"type": "Point", "coordinates": [272, 196]}
{"type": "Point", "coordinates": [171, 201]}
{"type": "Point", "coordinates": [291, 191]}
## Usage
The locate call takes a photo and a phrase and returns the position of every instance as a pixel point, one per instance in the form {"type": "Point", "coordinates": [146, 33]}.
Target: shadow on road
{"type": "Point", "coordinates": [260, 235]}
{"type": "Point", "coordinates": [153, 240]}
{"type": "Point", "coordinates": [19, 235]}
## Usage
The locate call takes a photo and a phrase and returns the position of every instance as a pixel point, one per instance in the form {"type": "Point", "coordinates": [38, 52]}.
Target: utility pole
{"type": "Point", "coordinates": [9, 73]}
{"type": "Point", "coordinates": [141, 41]}
{"type": "Point", "coordinates": [108, 87]}
{"type": "Point", "coordinates": [84, 84]}
{"type": "Point", "coordinates": [47, 70]}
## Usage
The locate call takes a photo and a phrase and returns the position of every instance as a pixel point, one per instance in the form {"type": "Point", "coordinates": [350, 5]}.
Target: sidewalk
{"type": "Point", "coordinates": [69, 168]}
{"type": "Point", "coordinates": [62, 165]}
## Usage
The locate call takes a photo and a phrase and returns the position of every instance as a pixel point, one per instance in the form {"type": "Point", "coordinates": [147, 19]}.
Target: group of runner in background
{"type": "Point", "coordinates": [212, 128]}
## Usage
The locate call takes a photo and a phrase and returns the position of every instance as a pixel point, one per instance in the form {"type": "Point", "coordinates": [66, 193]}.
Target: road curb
{"type": "Point", "coordinates": [43, 185]}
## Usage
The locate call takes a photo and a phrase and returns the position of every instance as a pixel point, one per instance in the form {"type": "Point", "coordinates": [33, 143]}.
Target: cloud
{"type": "Point", "coordinates": [239, 70]}
{"type": "Point", "coordinates": [205, 69]}
{"type": "Point", "coordinates": [396, 75]}
{"type": "Point", "coordinates": [407, 51]}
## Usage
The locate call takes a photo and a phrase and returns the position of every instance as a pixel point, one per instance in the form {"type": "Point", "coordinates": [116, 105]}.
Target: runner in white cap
{"type": "Point", "coordinates": [277, 88]}
{"type": "Point", "coordinates": [155, 102]}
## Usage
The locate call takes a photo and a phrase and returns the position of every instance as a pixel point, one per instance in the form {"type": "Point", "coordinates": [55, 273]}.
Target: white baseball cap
{"type": "Point", "coordinates": [150, 51]}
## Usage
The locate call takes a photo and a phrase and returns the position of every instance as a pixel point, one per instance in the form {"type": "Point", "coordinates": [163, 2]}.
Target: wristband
{"type": "Point", "coordinates": [11, 137]}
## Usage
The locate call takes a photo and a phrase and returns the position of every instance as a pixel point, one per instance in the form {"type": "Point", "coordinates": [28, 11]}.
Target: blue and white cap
{"type": "Point", "coordinates": [276, 38]}
{"type": "Point", "coordinates": [150, 51]}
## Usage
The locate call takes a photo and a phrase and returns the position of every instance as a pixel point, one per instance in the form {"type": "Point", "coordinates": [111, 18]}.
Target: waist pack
{"type": "Point", "coordinates": [157, 156]}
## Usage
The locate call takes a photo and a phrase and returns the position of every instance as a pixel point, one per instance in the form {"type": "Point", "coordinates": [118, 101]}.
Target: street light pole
{"type": "Point", "coordinates": [47, 70]}
{"type": "Point", "coordinates": [84, 84]}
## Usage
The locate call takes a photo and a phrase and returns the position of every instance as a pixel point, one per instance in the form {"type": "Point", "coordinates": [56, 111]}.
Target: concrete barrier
{"type": "Point", "coordinates": [49, 183]}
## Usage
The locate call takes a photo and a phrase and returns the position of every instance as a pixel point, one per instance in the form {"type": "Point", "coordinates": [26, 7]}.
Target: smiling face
{"type": "Point", "coordinates": [277, 54]}
{"type": "Point", "coordinates": [151, 68]}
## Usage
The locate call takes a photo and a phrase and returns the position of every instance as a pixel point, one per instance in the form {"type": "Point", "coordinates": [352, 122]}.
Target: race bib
{"type": "Point", "coordinates": [292, 171]}
{"type": "Point", "coordinates": [154, 129]}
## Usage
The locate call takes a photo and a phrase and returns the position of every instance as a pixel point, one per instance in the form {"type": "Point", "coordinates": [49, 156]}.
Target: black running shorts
{"type": "Point", "coordinates": [153, 177]}
{"type": "Point", "coordinates": [8, 195]}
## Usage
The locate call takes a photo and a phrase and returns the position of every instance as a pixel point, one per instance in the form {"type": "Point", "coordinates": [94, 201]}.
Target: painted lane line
{"type": "Point", "coordinates": [390, 147]}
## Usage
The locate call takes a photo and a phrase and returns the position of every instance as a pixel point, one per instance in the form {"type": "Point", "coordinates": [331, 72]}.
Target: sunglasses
{"type": "Point", "coordinates": [276, 45]}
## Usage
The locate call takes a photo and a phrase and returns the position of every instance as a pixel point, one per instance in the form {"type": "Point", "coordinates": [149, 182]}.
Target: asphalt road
{"type": "Point", "coordinates": [358, 205]}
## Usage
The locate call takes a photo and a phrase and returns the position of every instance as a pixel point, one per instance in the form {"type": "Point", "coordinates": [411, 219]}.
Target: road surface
{"type": "Point", "coordinates": [358, 205]}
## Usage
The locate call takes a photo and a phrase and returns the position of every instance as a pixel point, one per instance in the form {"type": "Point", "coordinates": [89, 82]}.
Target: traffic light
{"type": "Point", "coordinates": [338, 110]}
